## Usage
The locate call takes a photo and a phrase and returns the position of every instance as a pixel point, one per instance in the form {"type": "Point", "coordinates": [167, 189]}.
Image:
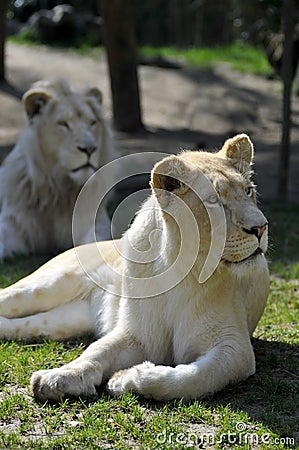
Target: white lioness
{"type": "Point", "coordinates": [65, 141]}
{"type": "Point", "coordinates": [166, 332]}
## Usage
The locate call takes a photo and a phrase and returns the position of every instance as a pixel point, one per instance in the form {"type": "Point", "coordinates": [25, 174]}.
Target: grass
{"type": "Point", "coordinates": [257, 413]}
{"type": "Point", "coordinates": [241, 56]}
{"type": "Point", "coordinates": [79, 46]}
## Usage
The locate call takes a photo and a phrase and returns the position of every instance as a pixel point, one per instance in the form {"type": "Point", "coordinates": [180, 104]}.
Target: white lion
{"type": "Point", "coordinates": [176, 300]}
{"type": "Point", "coordinates": [66, 139]}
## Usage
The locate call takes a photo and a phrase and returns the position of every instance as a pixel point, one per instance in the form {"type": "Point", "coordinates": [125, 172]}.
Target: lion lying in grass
{"type": "Point", "coordinates": [66, 139]}
{"type": "Point", "coordinates": [174, 302]}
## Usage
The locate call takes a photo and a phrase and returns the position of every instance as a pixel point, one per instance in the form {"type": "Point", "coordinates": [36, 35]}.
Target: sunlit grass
{"type": "Point", "coordinates": [240, 56]}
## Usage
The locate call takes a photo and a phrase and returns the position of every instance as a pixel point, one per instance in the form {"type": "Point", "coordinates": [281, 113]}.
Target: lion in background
{"type": "Point", "coordinates": [66, 139]}
{"type": "Point", "coordinates": [165, 330]}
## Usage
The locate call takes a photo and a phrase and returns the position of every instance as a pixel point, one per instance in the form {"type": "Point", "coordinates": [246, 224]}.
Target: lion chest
{"type": "Point", "coordinates": [177, 327]}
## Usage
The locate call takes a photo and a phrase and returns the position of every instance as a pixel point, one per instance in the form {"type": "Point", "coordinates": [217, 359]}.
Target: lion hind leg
{"type": "Point", "coordinates": [72, 319]}
{"type": "Point", "coordinates": [59, 281]}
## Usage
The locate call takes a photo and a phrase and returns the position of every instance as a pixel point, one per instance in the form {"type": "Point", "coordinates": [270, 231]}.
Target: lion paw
{"type": "Point", "coordinates": [55, 384]}
{"type": "Point", "coordinates": [129, 380]}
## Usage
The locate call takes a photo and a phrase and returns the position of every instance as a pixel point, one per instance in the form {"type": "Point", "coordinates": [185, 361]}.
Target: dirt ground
{"type": "Point", "coordinates": [182, 108]}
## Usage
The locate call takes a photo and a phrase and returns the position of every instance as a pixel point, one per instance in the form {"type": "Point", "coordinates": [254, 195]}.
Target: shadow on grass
{"type": "Point", "coordinates": [15, 268]}
{"type": "Point", "coordinates": [283, 232]}
{"type": "Point", "coordinates": [271, 395]}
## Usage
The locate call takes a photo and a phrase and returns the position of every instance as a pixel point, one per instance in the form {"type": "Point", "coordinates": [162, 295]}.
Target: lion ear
{"type": "Point", "coordinates": [95, 93]}
{"type": "Point", "coordinates": [239, 150]}
{"type": "Point", "coordinates": [34, 101]}
{"type": "Point", "coordinates": [168, 175]}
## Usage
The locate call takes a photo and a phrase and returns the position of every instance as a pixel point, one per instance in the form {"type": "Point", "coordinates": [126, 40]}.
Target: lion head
{"type": "Point", "coordinates": [72, 133]}
{"type": "Point", "coordinates": [218, 190]}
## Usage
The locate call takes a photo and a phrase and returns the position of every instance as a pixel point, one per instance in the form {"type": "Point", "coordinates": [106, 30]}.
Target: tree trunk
{"type": "Point", "coordinates": [287, 69]}
{"type": "Point", "coordinates": [3, 11]}
{"type": "Point", "coordinates": [119, 29]}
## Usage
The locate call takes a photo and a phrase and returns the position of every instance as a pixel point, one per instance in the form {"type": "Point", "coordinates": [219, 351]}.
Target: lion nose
{"type": "Point", "coordinates": [88, 150]}
{"type": "Point", "coordinates": [258, 231]}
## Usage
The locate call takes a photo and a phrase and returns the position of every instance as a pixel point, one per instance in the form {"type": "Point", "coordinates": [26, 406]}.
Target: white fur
{"type": "Point", "coordinates": [38, 187]}
{"type": "Point", "coordinates": [185, 341]}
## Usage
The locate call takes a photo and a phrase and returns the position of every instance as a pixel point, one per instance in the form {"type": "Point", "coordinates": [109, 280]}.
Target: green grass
{"type": "Point", "coordinates": [240, 56]}
{"type": "Point", "coordinates": [259, 413]}
{"type": "Point", "coordinates": [79, 45]}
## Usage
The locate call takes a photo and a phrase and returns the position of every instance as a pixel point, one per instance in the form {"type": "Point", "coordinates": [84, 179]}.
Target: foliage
{"type": "Point", "coordinates": [87, 43]}
{"type": "Point", "coordinates": [257, 413]}
{"type": "Point", "coordinates": [180, 22]}
{"type": "Point", "coordinates": [23, 9]}
{"type": "Point", "coordinates": [204, 23]}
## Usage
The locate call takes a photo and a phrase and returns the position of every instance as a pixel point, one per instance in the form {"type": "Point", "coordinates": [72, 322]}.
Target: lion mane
{"type": "Point", "coordinates": [66, 139]}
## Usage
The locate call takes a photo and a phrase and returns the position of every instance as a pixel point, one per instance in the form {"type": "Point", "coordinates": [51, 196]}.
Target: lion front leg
{"type": "Point", "coordinates": [113, 352]}
{"type": "Point", "coordinates": [208, 374]}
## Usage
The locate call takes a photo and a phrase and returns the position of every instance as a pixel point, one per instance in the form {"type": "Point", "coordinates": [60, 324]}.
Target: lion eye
{"type": "Point", "coordinates": [63, 124]}
{"type": "Point", "coordinates": [249, 191]}
{"type": "Point", "coordinates": [93, 123]}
